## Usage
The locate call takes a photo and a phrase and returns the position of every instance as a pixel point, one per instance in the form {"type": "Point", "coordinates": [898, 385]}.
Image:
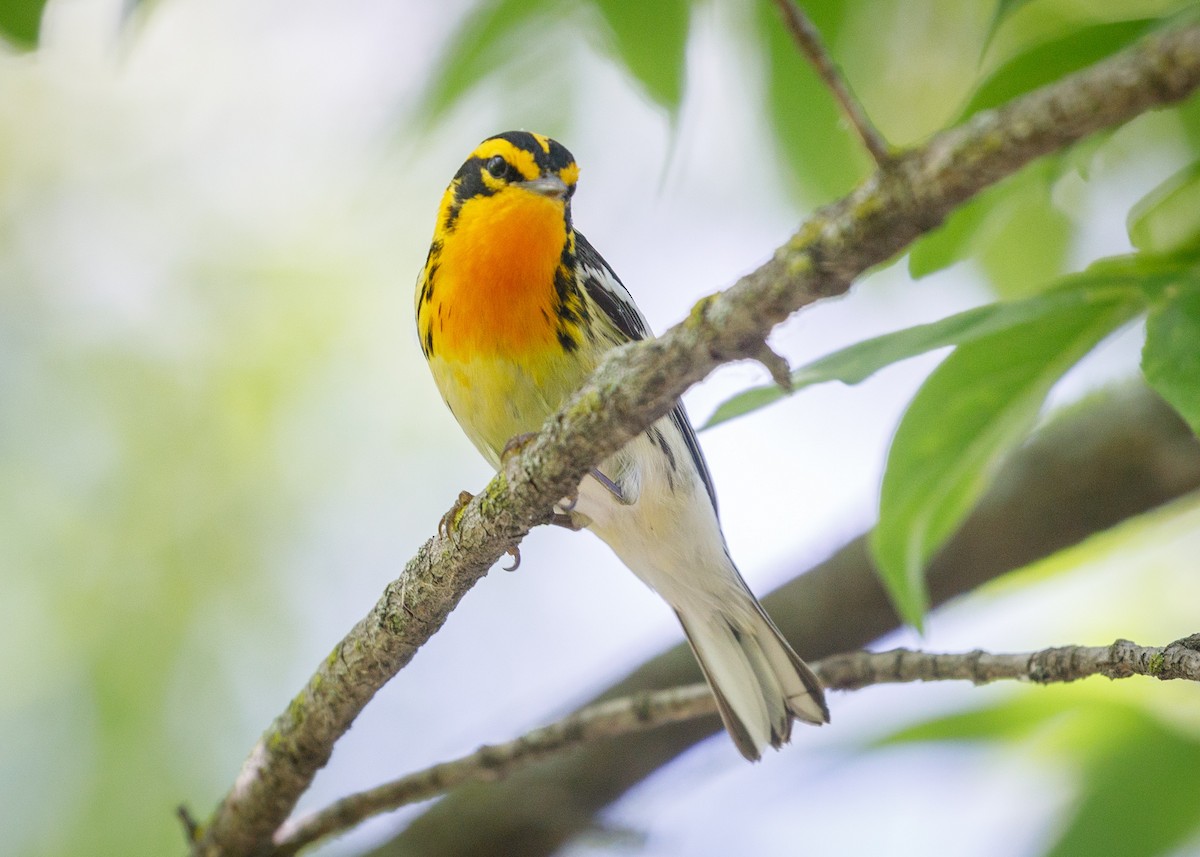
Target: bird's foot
{"type": "Point", "coordinates": [567, 521]}
{"type": "Point", "coordinates": [449, 520]}
{"type": "Point", "coordinates": [515, 445]}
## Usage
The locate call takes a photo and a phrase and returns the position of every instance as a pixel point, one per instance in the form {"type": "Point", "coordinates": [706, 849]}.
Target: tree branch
{"type": "Point", "coordinates": [1093, 465]}
{"type": "Point", "coordinates": [856, 670]}
{"type": "Point", "coordinates": [639, 383]}
{"type": "Point", "coordinates": [808, 39]}
{"type": "Point", "coordinates": [602, 720]}
{"type": "Point", "coordinates": [852, 671]}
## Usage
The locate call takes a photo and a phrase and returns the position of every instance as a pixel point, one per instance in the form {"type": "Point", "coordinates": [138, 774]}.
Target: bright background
{"type": "Point", "coordinates": [218, 440]}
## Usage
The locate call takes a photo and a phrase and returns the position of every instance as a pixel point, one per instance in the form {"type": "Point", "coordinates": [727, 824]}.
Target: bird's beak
{"type": "Point", "coordinates": [551, 186]}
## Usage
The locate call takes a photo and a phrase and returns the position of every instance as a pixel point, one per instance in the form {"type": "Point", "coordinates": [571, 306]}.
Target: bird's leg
{"type": "Point", "coordinates": [612, 487]}
{"type": "Point", "coordinates": [563, 516]}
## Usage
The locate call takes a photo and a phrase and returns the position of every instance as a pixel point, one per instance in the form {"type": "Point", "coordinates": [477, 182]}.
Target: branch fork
{"type": "Point", "coordinates": [639, 383]}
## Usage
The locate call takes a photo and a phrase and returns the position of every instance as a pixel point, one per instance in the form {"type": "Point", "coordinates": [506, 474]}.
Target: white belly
{"type": "Point", "coordinates": [666, 530]}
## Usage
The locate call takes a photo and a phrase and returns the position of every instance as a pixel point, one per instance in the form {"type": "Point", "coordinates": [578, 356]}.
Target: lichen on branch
{"type": "Point", "coordinates": [907, 196]}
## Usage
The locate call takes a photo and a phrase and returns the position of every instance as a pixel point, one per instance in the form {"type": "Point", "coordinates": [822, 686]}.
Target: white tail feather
{"type": "Point", "coordinates": [760, 684]}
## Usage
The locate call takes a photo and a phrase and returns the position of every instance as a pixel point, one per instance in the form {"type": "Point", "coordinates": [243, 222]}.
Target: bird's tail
{"type": "Point", "coordinates": [760, 684]}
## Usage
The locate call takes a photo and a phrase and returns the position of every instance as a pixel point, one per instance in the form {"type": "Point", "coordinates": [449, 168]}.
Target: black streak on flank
{"type": "Point", "coordinates": [428, 343]}
{"type": "Point", "coordinates": [657, 438]}
{"type": "Point", "coordinates": [568, 301]}
{"type": "Point", "coordinates": [567, 341]}
{"type": "Point", "coordinates": [433, 269]}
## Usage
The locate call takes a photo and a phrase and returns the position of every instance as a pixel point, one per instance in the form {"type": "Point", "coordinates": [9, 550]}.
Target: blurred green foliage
{"type": "Point", "coordinates": [1171, 356]}
{"type": "Point", "coordinates": [980, 402]}
{"type": "Point", "coordinates": [1136, 776]}
{"type": "Point", "coordinates": [856, 363]}
{"type": "Point", "coordinates": [1019, 212]}
{"type": "Point", "coordinates": [147, 497]}
{"type": "Point", "coordinates": [650, 40]}
{"type": "Point", "coordinates": [152, 356]}
{"type": "Point", "coordinates": [984, 398]}
{"type": "Point", "coordinates": [21, 20]}
{"type": "Point", "coordinates": [1048, 61]}
{"type": "Point", "coordinates": [824, 158]}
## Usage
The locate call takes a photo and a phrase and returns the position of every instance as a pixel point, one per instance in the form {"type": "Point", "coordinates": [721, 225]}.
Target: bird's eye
{"type": "Point", "coordinates": [497, 166]}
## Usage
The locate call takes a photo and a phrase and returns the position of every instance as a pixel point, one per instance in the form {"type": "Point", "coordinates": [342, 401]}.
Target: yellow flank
{"type": "Point", "coordinates": [496, 400]}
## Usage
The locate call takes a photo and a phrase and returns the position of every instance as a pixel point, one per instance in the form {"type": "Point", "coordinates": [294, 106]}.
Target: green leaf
{"type": "Point", "coordinates": [1004, 8]}
{"type": "Point", "coordinates": [21, 21]}
{"type": "Point", "coordinates": [1054, 59]}
{"type": "Point", "coordinates": [648, 39]}
{"type": "Point", "coordinates": [1014, 230]}
{"type": "Point", "coordinates": [858, 362]}
{"type": "Point", "coordinates": [1026, 246]}
{"type": "Point", "coordinates": [971, 410]}
{"type": "Point", "coordinates": [486, 41]}
{"type": "Point", "coordinates": [1168, 218]}
{"type": "Point", "coordinates": [1189, 118]}
{"type": "Point", "coordinates": [1139, 778]}
{"type": "Point", "coordinates": [825, 157]}
{"type": "Point", "coordinates": [651, 41]}
{"type": "Point", "coordinates": [1010, 719]}
{"type": "Point", "coordinates": [1139, 796]}
{"type": "Point", "coordinates": [1171, 355]}
{"type": "Point", "coordinates": [951, 242]}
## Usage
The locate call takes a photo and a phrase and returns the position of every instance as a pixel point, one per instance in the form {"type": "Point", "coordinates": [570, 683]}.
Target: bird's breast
{"type": "Point", "coordinates": [493, 282]}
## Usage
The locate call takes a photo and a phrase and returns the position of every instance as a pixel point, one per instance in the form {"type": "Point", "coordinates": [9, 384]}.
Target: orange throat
{"type": "Point", "coordinates": [493, 291]}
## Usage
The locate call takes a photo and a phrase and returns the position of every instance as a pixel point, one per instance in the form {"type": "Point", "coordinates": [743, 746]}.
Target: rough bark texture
{"type": "Point", "coordinates": [1103, 462]}
{"type": "Point", "coordinates": [909, 195]}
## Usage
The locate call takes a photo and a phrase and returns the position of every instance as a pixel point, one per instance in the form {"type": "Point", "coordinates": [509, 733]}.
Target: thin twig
{"type": "Point", "coordinates": [1108, 460]}
{"type": "Point", "coordinates": [639, 383]}
{"type": "Point", "coordinates": [853, 671]}
{"type": "Point", "coordinates": [809, 41]}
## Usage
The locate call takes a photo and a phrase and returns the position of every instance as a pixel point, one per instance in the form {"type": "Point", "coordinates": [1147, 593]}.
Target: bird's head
{"type": "Point", "coordinates": [517, 168]}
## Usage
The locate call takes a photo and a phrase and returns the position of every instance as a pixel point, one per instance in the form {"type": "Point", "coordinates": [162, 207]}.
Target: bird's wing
{"type": "Point", "coordinates": [608, 293]}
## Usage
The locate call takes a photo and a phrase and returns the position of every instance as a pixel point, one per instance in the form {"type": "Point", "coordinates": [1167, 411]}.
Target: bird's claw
{"type": "Point", "coordinates": [515, 553]}
{"type": "Point", "coordinates": [450, 520]}
{"type": "Point", "coordinates": [515, 444]}
{"type": "Point", "coordinates": [567, 521]}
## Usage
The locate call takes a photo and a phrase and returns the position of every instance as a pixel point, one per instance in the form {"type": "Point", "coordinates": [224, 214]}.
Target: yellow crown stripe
{"type": "Point", "coordinates": [522, 160]}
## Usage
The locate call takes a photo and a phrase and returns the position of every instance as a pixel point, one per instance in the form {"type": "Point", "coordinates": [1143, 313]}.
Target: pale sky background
{"type": "Point", "coordinates": [220, 146]}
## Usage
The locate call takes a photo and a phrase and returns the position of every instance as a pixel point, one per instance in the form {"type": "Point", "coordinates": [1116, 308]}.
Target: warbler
{"type": "Point", "coordinates": [514, 310]}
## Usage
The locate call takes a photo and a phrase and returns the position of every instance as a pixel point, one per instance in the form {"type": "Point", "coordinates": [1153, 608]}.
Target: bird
{"type": "Point", "coordinates": [514, 309]}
